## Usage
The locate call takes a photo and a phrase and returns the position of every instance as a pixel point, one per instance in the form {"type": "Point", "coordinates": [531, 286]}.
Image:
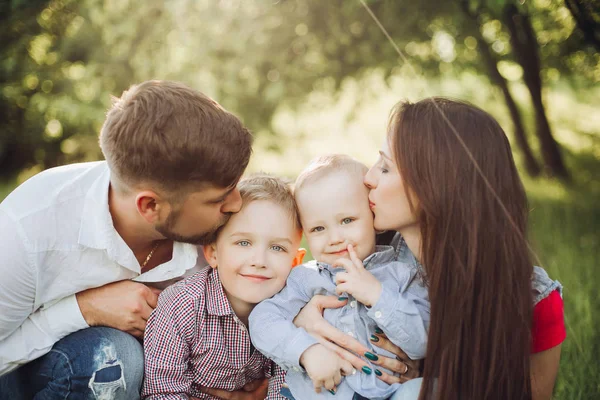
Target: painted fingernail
{"type": "Point", "coordinates": [342, 298]}
{"type": "Point", "coordinates": [374, 338]}
{"type": "Point", "coordinates": [371, 356]}
{"type": "Point", "coordinates": [377, 330]}
{"type": "Point", "coordinates": [367, 370]}
{"type": "Point", "coordinates": [378, 372]}
{"type": "Point", "coordinates": [331, 391]}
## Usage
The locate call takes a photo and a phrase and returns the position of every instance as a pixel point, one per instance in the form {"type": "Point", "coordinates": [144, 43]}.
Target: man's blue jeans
{"type": "Point", "coordinates": [94, 363]}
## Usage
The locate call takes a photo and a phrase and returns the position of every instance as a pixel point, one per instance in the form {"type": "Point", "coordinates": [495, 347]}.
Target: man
{"type": "Point", "coordinates": [85, 248]}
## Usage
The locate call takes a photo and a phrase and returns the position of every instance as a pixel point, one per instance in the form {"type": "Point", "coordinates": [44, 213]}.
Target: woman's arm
{"type": "Point", "coordinates": [311, 319]}
{"type": "Point", "coordinates": [544, 368]}
{"type": "Point", "coordinates": [548, 332]}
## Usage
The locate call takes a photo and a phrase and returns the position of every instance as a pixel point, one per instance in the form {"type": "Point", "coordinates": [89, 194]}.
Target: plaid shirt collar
{"type": "Point", "coordinates": [216, 302]}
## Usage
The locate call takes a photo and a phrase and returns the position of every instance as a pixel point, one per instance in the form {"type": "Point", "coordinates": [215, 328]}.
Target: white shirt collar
{"type": "Point", "coordinates": [97, 231]}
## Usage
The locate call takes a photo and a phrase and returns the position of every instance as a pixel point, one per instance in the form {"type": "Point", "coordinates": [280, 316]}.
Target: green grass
{"type": "Point", "coordinates": [564, 226]}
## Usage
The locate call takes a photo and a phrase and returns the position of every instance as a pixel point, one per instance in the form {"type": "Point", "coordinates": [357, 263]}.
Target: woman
{"type": "Point", "coordinates": [447, 182]}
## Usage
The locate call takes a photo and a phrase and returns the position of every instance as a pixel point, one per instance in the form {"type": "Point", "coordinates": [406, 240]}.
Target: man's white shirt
{"type": "Point", "coordinates": [57, 239]}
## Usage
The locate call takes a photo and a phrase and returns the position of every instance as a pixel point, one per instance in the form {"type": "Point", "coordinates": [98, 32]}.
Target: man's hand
{"type": "Point", "coordinates": [324, 367]}
{"type": "Point", "coordinates": [255, 390]}
{"type": "Point", "coordinates": [123, 305]}
{"type": "Point", "coordinates": [357, 281]}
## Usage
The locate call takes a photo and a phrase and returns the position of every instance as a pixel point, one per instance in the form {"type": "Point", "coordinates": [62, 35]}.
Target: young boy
{"type": "Point", "coordinates": [381, 285]}
{"type": "Point", "coordinates": [197, 336]}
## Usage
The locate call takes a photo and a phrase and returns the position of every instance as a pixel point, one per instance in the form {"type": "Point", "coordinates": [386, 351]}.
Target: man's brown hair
{"type": "Point", "coordinates": [170, 135]}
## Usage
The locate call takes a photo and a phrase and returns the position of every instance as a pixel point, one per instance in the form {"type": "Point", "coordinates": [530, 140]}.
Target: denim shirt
{"type": "Point", "coordinates": [402, 312]}
{"type": "Point", "coordinates": [542, 285]}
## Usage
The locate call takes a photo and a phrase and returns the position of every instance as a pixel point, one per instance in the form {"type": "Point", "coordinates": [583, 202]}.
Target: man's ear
{"type": "Point", "coordinates": [210, 254]}
{"type": "Point", "coordinates": [150, 205]}
{"type": "Point", "coordinates": [299, 257]}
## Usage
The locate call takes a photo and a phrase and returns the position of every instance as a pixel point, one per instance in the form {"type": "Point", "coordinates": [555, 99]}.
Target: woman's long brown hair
{"type": "Point", "coordinates": [473, 248]}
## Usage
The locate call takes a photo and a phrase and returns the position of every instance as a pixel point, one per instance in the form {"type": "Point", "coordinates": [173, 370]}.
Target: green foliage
{"type": "Point", "coordinates": [63, 58]}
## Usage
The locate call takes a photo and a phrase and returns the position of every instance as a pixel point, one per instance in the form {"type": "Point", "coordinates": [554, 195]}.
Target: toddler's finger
{"type": "Point", "coordinates": [337, 378]}
{"type": "Point", "coordinates": [329, 384]}
{"type": "Point", "coordinates": [341, 288]}
{"type": "Point", "coordinates": [341, 277]}
{"type": "Point", "coordinates": [354, 257]}
{"type": "Point", "coordinates": [347, 368]}
{"type": "Point", "coordinates": [344, 263]}
{"type": "Point", "coordinates": [318, 384]}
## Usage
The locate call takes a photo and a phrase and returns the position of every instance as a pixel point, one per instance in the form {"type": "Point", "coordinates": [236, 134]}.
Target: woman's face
{"type": "Point", "coordinates": [387, 198]}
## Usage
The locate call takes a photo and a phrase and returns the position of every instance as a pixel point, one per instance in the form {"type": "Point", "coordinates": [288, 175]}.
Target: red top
{"type": "Point", "coordinates": [548, 329]}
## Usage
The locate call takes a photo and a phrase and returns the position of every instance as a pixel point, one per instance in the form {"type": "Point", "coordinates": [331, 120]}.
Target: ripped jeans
{"type": "Point", "coordinates": [95, 363]}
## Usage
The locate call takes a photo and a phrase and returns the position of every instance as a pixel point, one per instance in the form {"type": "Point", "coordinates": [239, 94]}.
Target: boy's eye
{"type": "Point", "coordinates": [243, 243]}
{"type": "Point", "coordinates": [317, 229]}
{"type": "Point", "coordinates": [278, 248]}
{"type": "Point", "coordinates": [347, 221]}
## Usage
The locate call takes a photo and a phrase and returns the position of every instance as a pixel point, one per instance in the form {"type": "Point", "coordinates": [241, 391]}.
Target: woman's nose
{"type": "Point", "coordinates": [369, 180]}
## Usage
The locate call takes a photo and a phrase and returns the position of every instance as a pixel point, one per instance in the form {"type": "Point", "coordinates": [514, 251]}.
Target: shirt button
{"type": "Point", "coordinates": [377, 314]}
{"type": "Point", "coordinates": [353, 304]}
{"type": "Point", "coordinates": [350, 333]}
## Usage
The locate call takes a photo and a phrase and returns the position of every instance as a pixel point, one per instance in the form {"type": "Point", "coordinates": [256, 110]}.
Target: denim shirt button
{"type": "Point", "coordinates": [378, 314]}
{"type": "Point", "coordinates": [353, 304]}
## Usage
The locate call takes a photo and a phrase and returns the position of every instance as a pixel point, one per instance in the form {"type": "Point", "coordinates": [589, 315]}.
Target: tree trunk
{"type": "Point", "coordinates": [583, 13]}
{"type": "Point", "coordinates": [531, 165]}
{"type": "Point", "coordinates": [524, 43]}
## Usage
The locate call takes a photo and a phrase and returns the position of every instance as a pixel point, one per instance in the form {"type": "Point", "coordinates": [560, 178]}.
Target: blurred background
{"type": "Point", "coordinates": [310, 77]}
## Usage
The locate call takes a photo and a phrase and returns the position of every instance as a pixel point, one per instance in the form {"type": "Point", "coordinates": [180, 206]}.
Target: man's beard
{"type": "Point", "coordinates": [210, 236]}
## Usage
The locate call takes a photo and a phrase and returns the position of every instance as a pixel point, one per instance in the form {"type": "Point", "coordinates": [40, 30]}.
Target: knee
{"type": "Point", "coordinates": [105, 361]}
{"type": "Point", "coordinates": [118, 364]}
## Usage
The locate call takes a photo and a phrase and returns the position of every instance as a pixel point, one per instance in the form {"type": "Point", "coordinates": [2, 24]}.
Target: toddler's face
{"type": "Point", "coordinates": [335, 213]}
{"type": "Point", "coordinates": [255, 251]}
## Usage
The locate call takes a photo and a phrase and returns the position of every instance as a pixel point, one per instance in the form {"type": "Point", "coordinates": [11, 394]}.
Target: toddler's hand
{"type": "Point", "coordinates": [357, 281]}
{"type": "Point", "coordinates": [324, 367]}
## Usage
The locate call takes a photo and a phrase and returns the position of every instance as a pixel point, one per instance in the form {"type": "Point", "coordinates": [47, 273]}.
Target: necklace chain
{"type": "Point", "coordinates": [150, 255]}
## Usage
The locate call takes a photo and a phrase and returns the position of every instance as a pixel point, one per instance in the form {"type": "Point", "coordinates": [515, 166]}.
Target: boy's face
{"type": "Point", "coordinates": [255, 251]}
{"type": "Point", "coordinates": [335, 213]}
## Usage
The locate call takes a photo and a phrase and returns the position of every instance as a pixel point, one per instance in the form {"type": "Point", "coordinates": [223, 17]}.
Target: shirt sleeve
{"type": "Point", "coordinates": [166, 349]}
{"type": "Point", "coordinates": [26, 333]}
{"type": "Point", "coordinates": [548, 327]}
{"type": "Point", "coordinates": [272, 328]}
{"type": "Point", "coordinates": [402, 312]}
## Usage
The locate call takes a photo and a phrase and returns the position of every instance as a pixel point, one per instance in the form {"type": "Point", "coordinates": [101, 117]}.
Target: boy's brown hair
{"type": "Point", "coordinates": [267, 187]}
{"type": "Point", "coordinates": [167, 134]}
{"type": "Point", "coordinates": [323, 165]}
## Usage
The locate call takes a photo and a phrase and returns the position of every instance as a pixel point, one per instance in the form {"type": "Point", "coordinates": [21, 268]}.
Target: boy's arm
{"type": "Point", "coordinates": [402, 312]}
{"type": "Point", "coordinates": [272, 329]}
{"type": "Point", "coordinates": [166, 350]}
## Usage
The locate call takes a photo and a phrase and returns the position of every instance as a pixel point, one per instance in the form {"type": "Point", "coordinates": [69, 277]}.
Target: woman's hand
{"type": "Point", "coordinates": [406, 368]}
{"type": "Point", "coordinates": [311, 319]}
